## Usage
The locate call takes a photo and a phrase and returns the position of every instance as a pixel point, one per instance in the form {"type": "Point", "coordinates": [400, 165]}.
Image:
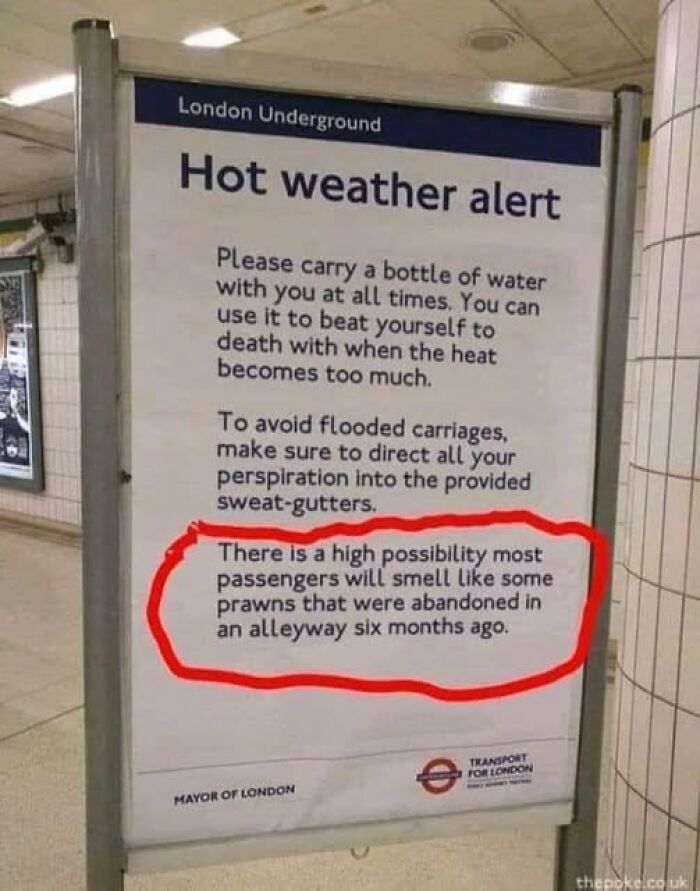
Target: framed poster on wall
{"type": "Point", "coordinates": [21, 465]}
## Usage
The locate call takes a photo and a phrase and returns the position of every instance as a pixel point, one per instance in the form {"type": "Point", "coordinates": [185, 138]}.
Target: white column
{"type": "Point", "coordinates": [655, 792]}
{"type": "Point", "coordinates": [619, 581]}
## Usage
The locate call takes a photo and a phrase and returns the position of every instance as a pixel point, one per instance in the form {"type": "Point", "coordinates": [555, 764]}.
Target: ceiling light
{"type": "Point", "coordinates": [41, 91]}
{"type": "Point", "coordinates": [493, 40]}
{"type": "Point", "coordinates": [516, 94]}
{"type": "Point", "coordinates": [214, 38]}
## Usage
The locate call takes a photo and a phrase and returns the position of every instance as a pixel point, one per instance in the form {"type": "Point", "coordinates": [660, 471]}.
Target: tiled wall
{"type": "Point", "coordinates": [58, 354]}
{"type": "Point", "coordinates": [628, 417]}
{"type": "Point", "coordinates": [656, 747]}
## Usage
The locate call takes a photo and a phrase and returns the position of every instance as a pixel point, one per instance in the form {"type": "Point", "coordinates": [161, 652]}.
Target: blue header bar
{"type": "Point", "coordinates": [271, 113]}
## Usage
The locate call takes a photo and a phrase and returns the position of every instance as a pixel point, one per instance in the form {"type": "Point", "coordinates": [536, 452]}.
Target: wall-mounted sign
{"type": "Point", "coordinates": [20, 410]}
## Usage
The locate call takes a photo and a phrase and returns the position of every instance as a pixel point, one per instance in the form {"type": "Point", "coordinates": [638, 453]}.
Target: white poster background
{"type": "Point", "coordinates": [348, 757]}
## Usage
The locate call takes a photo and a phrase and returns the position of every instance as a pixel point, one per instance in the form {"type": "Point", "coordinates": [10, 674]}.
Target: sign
{"type": "Point", "coordinates": [363, 371]}
{"type": "Point", "coordinates": [20, 416]}
{"type": "Point", "coordinates": [439, 776]}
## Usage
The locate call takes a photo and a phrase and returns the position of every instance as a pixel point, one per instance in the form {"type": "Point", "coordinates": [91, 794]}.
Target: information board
{"type": "Point", "coordinates": [363, 364]}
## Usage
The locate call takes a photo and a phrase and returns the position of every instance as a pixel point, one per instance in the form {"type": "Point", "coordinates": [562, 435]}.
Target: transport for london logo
{"type": "Point", "coordinates": [439, 776]}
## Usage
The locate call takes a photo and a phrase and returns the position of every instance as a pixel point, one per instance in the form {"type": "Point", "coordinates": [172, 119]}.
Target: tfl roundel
{"type": "Point", "coordinates": [439, 776]}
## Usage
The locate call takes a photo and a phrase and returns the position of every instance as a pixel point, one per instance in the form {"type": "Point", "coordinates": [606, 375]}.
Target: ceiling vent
{"type": "Point", "coordinates": [493, 40]}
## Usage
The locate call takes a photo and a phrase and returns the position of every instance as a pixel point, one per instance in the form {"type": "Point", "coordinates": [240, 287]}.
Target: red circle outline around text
{"type": "Point", "coordinates": [199, 529]}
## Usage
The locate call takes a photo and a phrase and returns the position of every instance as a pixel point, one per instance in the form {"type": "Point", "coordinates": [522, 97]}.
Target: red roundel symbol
{"type": "Point", "coordinates": [439, 776]}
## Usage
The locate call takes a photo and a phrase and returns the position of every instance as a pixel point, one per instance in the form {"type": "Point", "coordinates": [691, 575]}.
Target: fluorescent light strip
{"type": "Point", "coordinates": [41, 91]}
{"type": "Point", "coordinates": [214, 38]}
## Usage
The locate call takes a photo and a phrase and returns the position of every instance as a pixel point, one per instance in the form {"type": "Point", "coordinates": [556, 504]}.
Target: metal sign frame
{"type": "Point", "coordinates": [100, 60]}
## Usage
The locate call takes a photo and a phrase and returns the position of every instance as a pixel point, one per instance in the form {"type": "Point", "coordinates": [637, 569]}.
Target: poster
{"type": "Point", "coordinates": [20, 417]}
{"type": "Point", "coordinates": [363, 363]}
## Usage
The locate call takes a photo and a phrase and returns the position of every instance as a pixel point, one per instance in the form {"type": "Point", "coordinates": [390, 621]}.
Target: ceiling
{"type": "Point", "coordinates": [597, 43]}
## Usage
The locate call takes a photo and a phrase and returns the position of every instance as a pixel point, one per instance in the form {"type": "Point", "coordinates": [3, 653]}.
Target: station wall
{"type": "Point", "coordinates": [57, 309]}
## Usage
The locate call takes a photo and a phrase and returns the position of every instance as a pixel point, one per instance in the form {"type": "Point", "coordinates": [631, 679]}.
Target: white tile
{"type": "Point", "coordinates": [693, 576]}
{"type": "Point", "coordinates": [675, 540]}
{"type": "Point", "coordinates": [627, 432]}
{"type": "Point", "coordinates": [684, 93]}
{"type": "Point", "coordinates": [621, 751]}
{"type": "Point", "coordinates": [682, 844]}
{"type": "Point", "coordinates": [644, 406]}
{"type": "Point", "coordinates": [689, 688]}
{"type": "Point", "coordinates": [647, 614]}
{"type": "Point", "coordinates": [634, 834]}
{"type": "Point", "coordinates": [619, 583]}
{"type": "Point", "coordinates": [639, 744]}
{"type": "Point", "coordinates": [609, 771]}
{"type": "Point", "coordinates": [684, 417]}
{"type": "Point", "coordinates": [665, 68]}
{"type": "Point", "coordinates": [629, 507]}
{"type": "Point", "coordinates": [648, 332]}
{"type": "Point", "coordinates": [649, 311]}
{"type": "Point", "coordinates": [623, 482]}
{"type": "Point", "coordinates": [654, 514]}
{"type": "Point", "coordinates": [686, 786]}
{"type": "Point", "coordinates": [689, 313]}
{"type": "Point", "coordinates": [615, 713]}
{"type": "Point", "coordinates": [678, 176]}
{"type": "Point", "coordinates": [660, 749]}
{"type": "Point", "coordinates": [668, 304]}
{"type": "Point", "coordinates": [629, 649]}
{"type": "Point", "coordinates": [635, 521]}
{"type": "Point", "coordinates": [657, 189]}
{"type": "Point", "coordinates": [655, 832]}
{"type": "Point", "coordinates": [619, 544]}
{"type": "Point", "coordinates": [615, 619]}
{"type": "Point", "coordinates": [638, 300]}
{"type": "Point", "coordinates": [667, 643]}
{"type": "Point", "coordinates": [660, 415]}
{"type": "Point", "coordinates": [619, 818]}
{"type": "Point", "coordinates": [632, 380]}
{"type": "Point", "coordinates": [692, 222]}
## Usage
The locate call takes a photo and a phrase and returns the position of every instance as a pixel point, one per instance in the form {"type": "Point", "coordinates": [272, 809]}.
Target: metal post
{"type": "Point", "coordinates": [95, 143]}
{"type": "Point", "coordinates": [576, 844]}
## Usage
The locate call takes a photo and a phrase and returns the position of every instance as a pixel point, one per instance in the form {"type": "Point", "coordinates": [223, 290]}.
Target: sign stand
{"type": "Point", "coordinates": [99, 394]}
{"type": "Point", "coordinates": [103, 475]}
{"type": "Point", "coordinates": [576, 843]}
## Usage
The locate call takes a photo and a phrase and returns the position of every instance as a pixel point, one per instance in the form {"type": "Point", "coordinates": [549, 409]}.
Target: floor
{"type": "Point", "coordinates": [41, 770]}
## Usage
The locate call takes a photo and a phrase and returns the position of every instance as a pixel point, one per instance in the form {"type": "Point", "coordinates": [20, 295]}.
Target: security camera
{"type": "Point", "coordinates": [64, 248]}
